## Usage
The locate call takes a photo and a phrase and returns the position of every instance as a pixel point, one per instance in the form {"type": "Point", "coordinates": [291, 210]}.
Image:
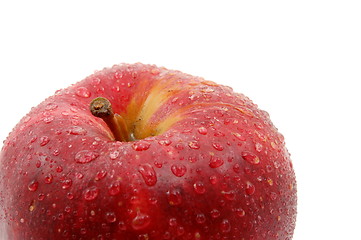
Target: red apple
{"type": "Point", "coordinates": [158, 154]}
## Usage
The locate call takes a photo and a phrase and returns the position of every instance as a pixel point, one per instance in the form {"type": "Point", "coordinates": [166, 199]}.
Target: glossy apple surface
{"type": "Point", "coordinates": [205, 164]}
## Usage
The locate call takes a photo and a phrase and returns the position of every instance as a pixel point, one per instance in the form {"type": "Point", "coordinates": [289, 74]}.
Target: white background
{"type": "Point", "coordinates": [299, 60]}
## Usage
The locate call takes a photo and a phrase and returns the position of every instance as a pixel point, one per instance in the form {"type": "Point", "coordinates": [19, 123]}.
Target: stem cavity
{"type": "Point", "coordinates": [101, 107]}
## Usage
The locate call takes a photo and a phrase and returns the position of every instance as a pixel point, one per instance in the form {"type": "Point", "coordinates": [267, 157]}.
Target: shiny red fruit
{"type": "Point", "coordinates": [201, 162]}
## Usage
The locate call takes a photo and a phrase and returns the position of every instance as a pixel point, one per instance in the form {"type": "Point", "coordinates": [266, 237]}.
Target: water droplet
{"type": "Point", "coordinates": [200, 218]}
{"type": "Point", "coordinates": [239, 136]}
{"type": "Point", "coordinates": [26, 119]}
{"type": "Point", "coordinates": [70, 196]}
{"type": "Point", "coordinates": [85, 156]}
{"type": "Point", "coordinates": [122, 226]}
{"type": "Point", "coordinates": [215, 162]}
{"type": "Point", "coordinates": [38, 163]}
{"type": "Point", "coordinates": [65, 184]}
{"type": "Point", "coordinates": [59, 169]}
{"type": "Point", "coordinates": [225, 226]}
{"type": "Point", "coordinates": [229, 195]}
{"type": "Point", "coordinates": [56, 152]}
{"type": "Point", "coordinates": [250, 157]}
{"type": "Point", "coordinates": [114, 154]}
{"type": "Point", "coordinates": [218, 146]}
{"type": "Point", "coordinates": [172, 222]}
{"type": "Point", "coordinates": [155, 71]}
{"type": "Point", "coordinates": [48, 119]}
{"type": "Point", "coordinates": [114, 189]}
{"type": "Point", "coordinates": [44, 140]}
{"type": "Point", "coordinates": [213, 179]}
{"type": "Point", "coordinates": [49, 179]}
{"type": "Point", "coordinates": [143, 236]}
{"type": "Point", "coordinates": [141, 145]}
{"type": "Point", "coordinates": [110, 217]}
{"type": "Point", "coordinates": [258, 147]}
{"type": "Point", "coordinates": [273, 196]}
{"type": "Point", "coordinates": [215, 213]}
{"type": "Point", "coordinates": [33, 139]}
{"type": "Point", "coordinates": [240, 212]}
{"type": "Point", "coordinates": [33, 186]}
{"type": "Point", "coordinates": [83, 231]}
{"type": "Point", "coordinates": [270, 181]}
{"type": "Point", "coordinates": [141, 221]}
{"type": "Point", "coordinates": [153, 200]}
{"type": "Point", "coordinates": [194, 145]}
{"type": "Point", "coordinates": [115, 88]}
{"type": "Point", "coordinates": [274, 145]}
{"type": "Point", "coordinates": [148, 174]}
{"type": "Point", "coordinates": [96, 81]}
{"type": "Point", "coordinates": [79, 175]}
{"type": "Point", "coordinates": [51, 106]}
{"type": "Point", "coordinates": [179, 146]}
{"type": "Point", "coordinates": [202, 130]}
{"type": "Point", "coordinates": [269, 168]}
{"type": "Point", "coordinates": [236, 168]}
{"type": "Point", "coordinates": [67, 209]}
{"type": "Point", "coordinates": [178, 170]}
{"type": "Point", "coordinates": [276, 164]}
{"type": "Point", "coordinates": [100, 175]}
{"type": "Point", "coordinates": [76, 130]}
{"type": "Point", "coordinates": [41, 196]}
{"type": "Point", "coordinates": [91, 193]}
{"type": "Point", "coordinates": [250, 188]}
{"type": "Point", "coordinates": [199, 187]}
{"type": "Point", "coordinates": [174, 197]}
{"type": "Point", "coordinates": [165, 142]}
{"type": "Point", "coordinates": [158, 164]}
{"type": "Point", "coordinates": [83, 92]}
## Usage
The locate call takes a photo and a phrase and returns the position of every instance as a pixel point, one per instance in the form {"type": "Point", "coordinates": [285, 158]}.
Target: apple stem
{"type": "Point", "coordinates": [101, 107]}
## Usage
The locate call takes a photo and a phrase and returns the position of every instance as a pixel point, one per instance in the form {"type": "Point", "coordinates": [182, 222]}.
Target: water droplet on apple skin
{"type": "Point", "coordinates": [225, 226]}
{"type": "Point", "coordinates": [48, 119]}
{"type": "Point", "coordinates": [114, 154]}
{"type": "Point", "coordinates": [141, 145]}
{"type": "Point", "coordinates": [114, 189]}
{"type": "Point", "coordinates": [66, 183]}
{"type": "Point", "coordinates": [91, 193]}
{"type": "Point", "coordinates": [250, 188]}
{"type": "Point", "coordinates": [240, 212]}
{"type": "Point", "coordinates": [49, 179]}
{"type": "Point", "coordinates": [76, 130]}
{"type": "Point", "coordinates": [174, 197]}
{"type": "Point", "coordinates": [217, 146]}
{"type": "Point", "coordinates": [110, 217]}
{"type": "Point", "coordinates": [194, 145]}
{"type": "Point", "coordinates": [82, 92]}
{"type": "Point", "coordinates": [85, 156]}
{"type": "Point", "coordinates": [100, 175]}
{"type": "Point", "coordinates": [215, 162]}
{"type": "Point", "coordinates": [148, 174]}
{"type": "Point", "coordinates": [44, 140]}
{"type": "Point", "coordinates": [33, 186]}
{"type": "Point", "coordinates": [41, 196]}
{"type": "Point", "coordinates": [199, 187]}
{"type": "Point", "coordinates": [141, 221]}
{"type": "Point", "coordinates": [178, 170]}
{"type": "Point", "coordinates": [200, 218]}
{"type": "Point", "coordinates": [203, 130]}
{"type": "Point", "coordinates": [250, 157]}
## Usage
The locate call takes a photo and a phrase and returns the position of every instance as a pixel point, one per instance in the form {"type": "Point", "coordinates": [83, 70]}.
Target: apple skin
{"type": "Point", "coordinates": [208, 164]}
